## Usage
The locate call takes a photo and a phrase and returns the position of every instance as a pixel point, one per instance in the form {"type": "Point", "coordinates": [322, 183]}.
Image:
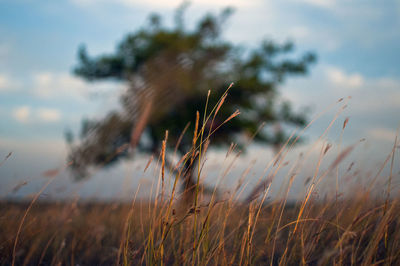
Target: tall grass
{"type": "Point", "coordinates": [221, 228]}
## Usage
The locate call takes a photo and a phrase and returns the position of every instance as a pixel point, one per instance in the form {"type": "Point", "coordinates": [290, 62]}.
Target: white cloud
{"type": "Point", "coordinates": [340, 78]}
{"type": "Point", "coordinates": [299, 32]}
{"type": "Point", "coordinates": [167, 4]}
{"type": "Point", "coordinates": [3, 82]}
{"type": "Point", "coordinates": [320, 3]}
{"type": "Point", "coordinates": [50, 85]}
{"type": "Point", "coordinates": [22, 114]}
{"type": "Point", "coordinates": [384, 134]}
{"type": "Point", "coordinates": [378, 95]}
{"type": "Point", "coordinates": [26, 114]}
{"type": "Point", "coordinates": [361, 24]}
{"type": "Point", "coordinates": [48, 114]}
{"type": "Point", "coordinates": [329, 83]}
{"type": "Point", "coordinates": [6, 84]}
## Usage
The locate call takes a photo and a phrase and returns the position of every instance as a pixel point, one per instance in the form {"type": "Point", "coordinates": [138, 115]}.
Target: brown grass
{"type": "Point", "coordinates": [228, 233]}
{"type": "Point", "coordinates": [357, 229]}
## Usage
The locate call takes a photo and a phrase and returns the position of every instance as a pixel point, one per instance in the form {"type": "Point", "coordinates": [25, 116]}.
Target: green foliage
{"type": "Point", "coordinates": [171, 70]}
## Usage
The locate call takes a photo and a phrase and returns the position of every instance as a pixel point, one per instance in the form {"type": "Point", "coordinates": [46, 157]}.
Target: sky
{"type": "Point", "coordinates": [356, 43]}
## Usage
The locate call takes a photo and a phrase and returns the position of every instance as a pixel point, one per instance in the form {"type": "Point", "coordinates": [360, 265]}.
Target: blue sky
{"type": "Point", "coordinates": [357, 43]}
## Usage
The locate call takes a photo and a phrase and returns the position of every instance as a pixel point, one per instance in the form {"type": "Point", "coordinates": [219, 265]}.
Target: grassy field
{"type": "Point", "coordinates": [320, 228]}
{"type": "Point", "coordinates": [352, 232]}
{"type": "Point", "coordinates": [360, 228]}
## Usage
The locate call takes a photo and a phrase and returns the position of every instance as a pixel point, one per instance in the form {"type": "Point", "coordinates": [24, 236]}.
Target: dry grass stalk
{"type": "Point", "coordinates": [164, 143]}
{"type": "Point", "coordinates": [141, 124]}
{"type": "Point", "coordinates": [148, 163]}
{"type": "Point", "coordinates": [358, 230]}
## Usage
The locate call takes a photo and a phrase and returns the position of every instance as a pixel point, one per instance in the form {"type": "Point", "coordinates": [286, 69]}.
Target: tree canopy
{"type": "Point", "coordinates": [169, 70]}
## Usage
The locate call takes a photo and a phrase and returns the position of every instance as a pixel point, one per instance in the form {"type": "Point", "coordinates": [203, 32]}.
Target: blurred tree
{"type": "Point", "coordinates": [168, 72]}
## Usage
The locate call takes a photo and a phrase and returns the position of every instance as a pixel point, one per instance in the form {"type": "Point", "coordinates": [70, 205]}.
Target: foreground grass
{"type": "Point", "coordinates": [359, 228]}
{"type": "Point", "coordinates": [352, 232]}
